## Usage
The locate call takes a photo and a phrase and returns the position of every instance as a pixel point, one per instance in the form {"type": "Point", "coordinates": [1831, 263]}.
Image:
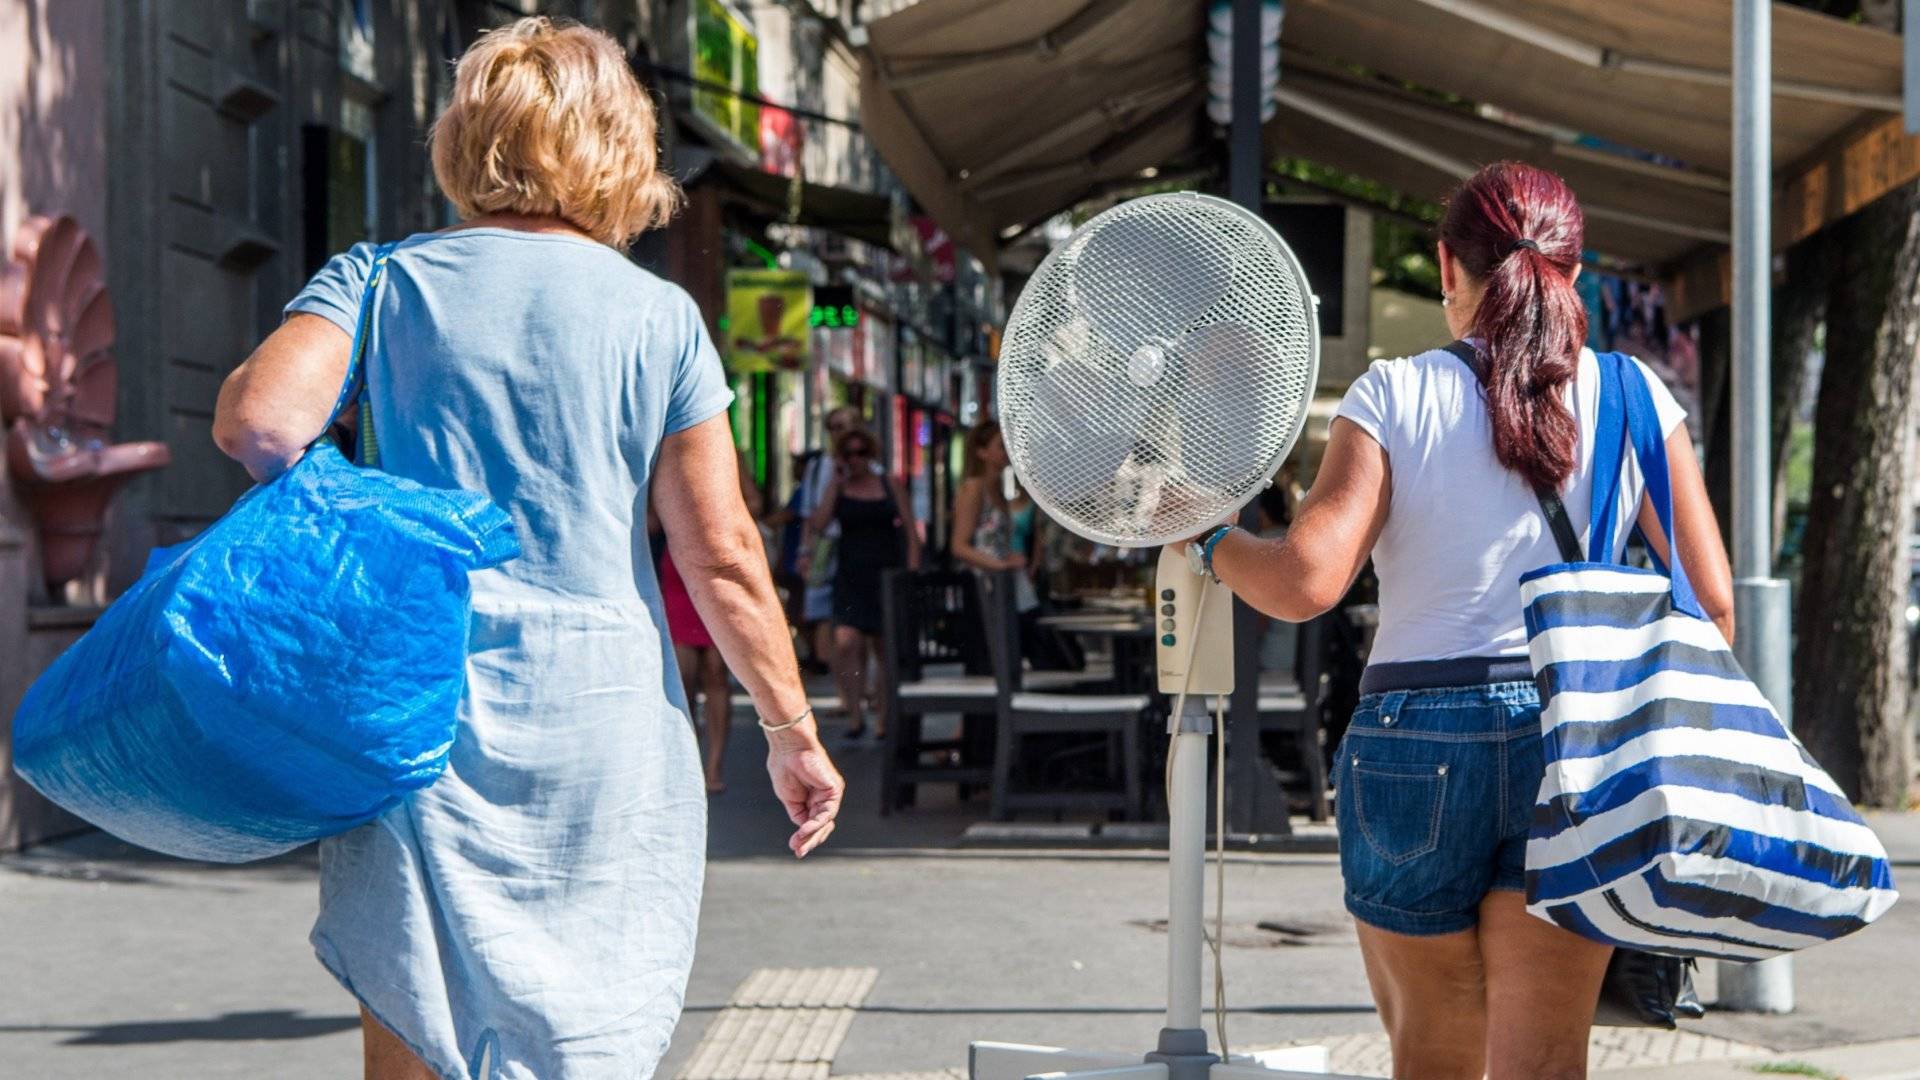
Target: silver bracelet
{"type": "Point", "coordinates": [793, 723]}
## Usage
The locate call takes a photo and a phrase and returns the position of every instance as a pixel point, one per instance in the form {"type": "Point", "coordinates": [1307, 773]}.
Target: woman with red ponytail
{"type": "Point", "coordinates": [1437, 467]}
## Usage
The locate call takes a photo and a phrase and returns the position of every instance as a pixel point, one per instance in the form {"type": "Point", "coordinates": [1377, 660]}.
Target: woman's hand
{"type": "Point", "coordinates": [808, 786]}
{"type": "Point", "coordinates": [1015, 561]}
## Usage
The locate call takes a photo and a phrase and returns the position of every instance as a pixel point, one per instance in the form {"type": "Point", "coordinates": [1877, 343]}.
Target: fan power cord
{"type": "Point", "coordinates": [1214, 939]}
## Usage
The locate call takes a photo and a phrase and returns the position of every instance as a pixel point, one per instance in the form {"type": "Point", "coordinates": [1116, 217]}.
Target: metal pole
{"type": "Point", "coordinates": [1910, 63]}
{"type": "Point", "coordinates": [1250, 809]}
{"type": "Point", "coordinates": [1243, 136]}
{"type": "Point", "coordinates": [1752, 287]}
{"type": "Point", "coordinates": [1763, 635]}
{"type": "Point", "coordinates": [1187, 857]}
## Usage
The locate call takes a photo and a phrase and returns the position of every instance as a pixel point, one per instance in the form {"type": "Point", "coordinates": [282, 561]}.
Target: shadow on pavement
{"type": "Point", "coordinates": [275, 1025]}
{"type": "Point", "coordinates": [748, 822]}
{"type": "Point", "coordinates": [96, 856]}
{"type": "Point", "coordinates": [1084, 1010]}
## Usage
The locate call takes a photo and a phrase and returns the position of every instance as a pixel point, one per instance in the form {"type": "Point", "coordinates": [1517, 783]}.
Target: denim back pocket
{"type": "Point", "coordinates": [1398, 806]}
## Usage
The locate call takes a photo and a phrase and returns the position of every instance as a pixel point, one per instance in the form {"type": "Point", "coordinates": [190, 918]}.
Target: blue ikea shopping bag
{"type": "Point", "coordinates": [290, 673]}
{"type": "Point", "coordinates": [1678, 814]}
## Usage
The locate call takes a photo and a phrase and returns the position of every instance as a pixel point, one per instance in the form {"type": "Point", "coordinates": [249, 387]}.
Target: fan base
{"type": "Point", "coordinates": [1008, 1061]}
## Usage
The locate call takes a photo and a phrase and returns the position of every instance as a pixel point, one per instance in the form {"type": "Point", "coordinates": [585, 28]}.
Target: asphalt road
{"type": "Point", "coordinates": [118, 963]}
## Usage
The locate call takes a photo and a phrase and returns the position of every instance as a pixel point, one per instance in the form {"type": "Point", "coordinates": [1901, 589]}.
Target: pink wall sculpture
{"type": "Point", "coordinates": [57, 392]}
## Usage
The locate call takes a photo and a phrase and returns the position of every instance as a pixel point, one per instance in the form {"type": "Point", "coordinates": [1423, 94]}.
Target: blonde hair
{"type": "Point", "coordinates": [857, 433]}
{"type": "Point", "coordinates": [547, 118]}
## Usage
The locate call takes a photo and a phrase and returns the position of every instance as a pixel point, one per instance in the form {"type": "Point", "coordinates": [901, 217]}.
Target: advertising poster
{"type": "Point", "coordinates": [767, 319]}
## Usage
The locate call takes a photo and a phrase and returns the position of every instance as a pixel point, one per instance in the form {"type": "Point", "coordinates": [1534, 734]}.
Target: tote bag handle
{"type": "Point", "coordinates": [1626, 403]}
{"type": "Point", "coordinates": [356, 362]}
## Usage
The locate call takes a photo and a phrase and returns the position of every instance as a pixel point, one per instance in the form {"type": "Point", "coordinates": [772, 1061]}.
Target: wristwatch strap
{"type": "Point", "coordinates": [1207, 544]}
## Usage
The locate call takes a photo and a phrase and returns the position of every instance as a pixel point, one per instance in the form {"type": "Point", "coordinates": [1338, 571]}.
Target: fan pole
{"type": "Point", "coordinates": [1192, 670]}
{"type": "Point", "coordinates": [1186, 858]}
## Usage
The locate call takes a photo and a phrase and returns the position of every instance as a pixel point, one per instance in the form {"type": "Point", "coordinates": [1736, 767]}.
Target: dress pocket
{"type": "Point", "coordinates": [1398, 807]}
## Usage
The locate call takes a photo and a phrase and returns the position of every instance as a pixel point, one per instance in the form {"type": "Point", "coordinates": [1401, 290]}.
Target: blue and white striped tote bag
{"type": "Point", "coordinates": [1678, 815]}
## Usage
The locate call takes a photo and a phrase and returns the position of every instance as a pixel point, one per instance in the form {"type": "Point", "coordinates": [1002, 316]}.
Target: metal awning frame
{"type": "Point", "coordinates": [1595, 56]}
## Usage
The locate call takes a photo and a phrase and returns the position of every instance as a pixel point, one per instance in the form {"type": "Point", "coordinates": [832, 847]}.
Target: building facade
{"type": "Point", "coordinates": [217, 153]}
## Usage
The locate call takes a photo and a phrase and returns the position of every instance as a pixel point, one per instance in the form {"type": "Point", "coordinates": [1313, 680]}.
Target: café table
{"type": "Point", "coordinates": [1130, 638]}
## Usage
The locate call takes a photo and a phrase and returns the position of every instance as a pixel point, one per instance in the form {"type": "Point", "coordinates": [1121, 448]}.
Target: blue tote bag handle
{"type": "Point", "coordinates": [1627, 418]}
{"type": "Point", "coordinates": [356, 361]}
{"type": "Point", "coordinates": [1650, 446]}
{"type": "Point", "coordinates": [1609, 458]}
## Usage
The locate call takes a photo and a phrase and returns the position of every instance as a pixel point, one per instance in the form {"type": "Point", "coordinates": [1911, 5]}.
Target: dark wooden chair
{"type": "Point", "coordinates": [1296, 707]}
{"type": "Point", "coordinates": [1023, 713]}
{"type": "Point", "coordinates": [935, 647]}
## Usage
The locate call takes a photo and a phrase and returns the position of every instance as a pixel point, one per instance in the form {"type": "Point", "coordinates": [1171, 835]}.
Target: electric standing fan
{"type": "Point", "coordinates": [1155, 373]}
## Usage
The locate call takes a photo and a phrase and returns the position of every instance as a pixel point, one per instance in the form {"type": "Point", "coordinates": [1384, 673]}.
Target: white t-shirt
{"type": "Point", "coordinates": [1461, 529]}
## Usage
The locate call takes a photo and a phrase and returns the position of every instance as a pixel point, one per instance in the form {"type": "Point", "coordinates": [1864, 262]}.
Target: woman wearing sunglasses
{"type": "Point", "coordinates": [876, 535]}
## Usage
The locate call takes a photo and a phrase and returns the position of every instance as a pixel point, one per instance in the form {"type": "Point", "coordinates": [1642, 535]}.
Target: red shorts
{"type": "Point", "coordinates": [683, 619]}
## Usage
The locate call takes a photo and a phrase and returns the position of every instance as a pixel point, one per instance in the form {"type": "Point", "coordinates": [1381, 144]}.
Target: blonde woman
{"type": "Point", "coordinates": [877, 534]}
{"type": "Point", "coordinates": [534, 909]}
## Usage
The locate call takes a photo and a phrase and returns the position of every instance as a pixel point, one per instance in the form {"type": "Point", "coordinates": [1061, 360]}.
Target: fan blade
{"type": "Point", "coordinates": [1082, 437]}
{"type": "Point", "coordinates": [1219, 448]}
{"type": "Point", "coordinates": [1149, 275]}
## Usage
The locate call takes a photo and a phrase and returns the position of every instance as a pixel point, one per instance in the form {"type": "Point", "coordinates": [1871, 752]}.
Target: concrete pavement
{"type": "Point", "coordinates": [118, 962]}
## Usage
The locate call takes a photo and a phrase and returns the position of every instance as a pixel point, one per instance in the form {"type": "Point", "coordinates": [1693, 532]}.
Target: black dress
{"type": "Point", "coordinates": [872, 541]}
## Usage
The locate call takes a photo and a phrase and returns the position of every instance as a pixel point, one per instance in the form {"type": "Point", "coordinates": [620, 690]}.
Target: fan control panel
{"type": "Point", "coordinates": [1188, 632]}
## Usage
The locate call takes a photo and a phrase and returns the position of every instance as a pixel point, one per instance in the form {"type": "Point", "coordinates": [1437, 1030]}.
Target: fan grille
{"type": "Point", "coordinates": [1157, 369]}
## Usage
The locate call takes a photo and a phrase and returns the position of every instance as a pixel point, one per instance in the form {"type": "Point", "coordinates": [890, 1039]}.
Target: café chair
{"type": "Point", "coordinates": [934, 644]}
{"type": "Point", "coordinates": [1296, 706]}
{"type": "Point", "coordinates": [1024, 712]}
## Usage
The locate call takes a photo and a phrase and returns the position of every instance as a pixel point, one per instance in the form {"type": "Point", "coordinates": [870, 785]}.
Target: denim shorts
{"type": "Point", "coordinates": [1436, 788]}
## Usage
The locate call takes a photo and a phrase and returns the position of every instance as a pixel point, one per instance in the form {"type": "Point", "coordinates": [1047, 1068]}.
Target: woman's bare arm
{"type": "Point", "coordinates": [275, 404]}
{"type": "Point", "coordinates": [966, 517]}
{"type": "Point", "coordinates": [905, 507]}
{"type": "Point", "coordinates": [1306, 572]}
{"type": "Point", "coordinates": [822, 515]}
{"type": "Point", "coordinates": [1702, 553]}
{"type": "Point", "coordinates": [717, 549]}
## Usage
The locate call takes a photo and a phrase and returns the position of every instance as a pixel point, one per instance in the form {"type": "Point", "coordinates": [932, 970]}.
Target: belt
{"type": "Point", "coordinates": [1440, 674]}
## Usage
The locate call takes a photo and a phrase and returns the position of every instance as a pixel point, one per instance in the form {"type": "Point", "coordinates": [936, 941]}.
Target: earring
{"type": "Point", "coordinates": [1446, 299]}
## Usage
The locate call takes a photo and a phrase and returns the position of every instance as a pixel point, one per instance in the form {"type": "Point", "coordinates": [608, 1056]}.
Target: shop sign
{"type": "Point", "coordinates": [912, 362]}
{"type": "Point", "coordinates": [783, 141]}
{"type": "Point", "coordinates": [839, 350]}
{"type": "Point", "coordinates": [928, 254]}
{"type": "Point", "coordinates": [874, 345]}
{"type": "Point", "coordinates": [933, 388]}
{"type": "Point", "coordinates": [726, 54]}
{"type": "Point", "coordinates": [767, 319]}
{"type": "Point", "coordinates": [833, 307]}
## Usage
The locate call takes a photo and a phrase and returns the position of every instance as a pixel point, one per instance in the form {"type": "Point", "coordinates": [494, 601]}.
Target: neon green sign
{"type": "Point", "coordinates": [836, 317]}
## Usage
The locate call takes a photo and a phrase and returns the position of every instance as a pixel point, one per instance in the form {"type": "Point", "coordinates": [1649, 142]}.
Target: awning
{"type": "Point", "coordinates": [858, 214]}
{"type": "Point", "coordinates": [1649, 74]}
{"type": "Point", "coordinates": [1638, 212]}
{"type": "Point", "coordinates": [997, 115]}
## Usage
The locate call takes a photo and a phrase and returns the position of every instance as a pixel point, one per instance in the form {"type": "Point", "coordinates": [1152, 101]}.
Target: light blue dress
{"type": "Point", "coordinates": [531, 915]}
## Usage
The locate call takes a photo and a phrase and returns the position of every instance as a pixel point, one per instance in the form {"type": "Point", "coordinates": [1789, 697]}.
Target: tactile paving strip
{"type": "Point", "coordinates": [781, 1024]}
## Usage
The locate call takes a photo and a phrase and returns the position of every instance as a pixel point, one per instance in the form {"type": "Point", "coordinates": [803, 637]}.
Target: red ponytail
{"type": "Point", "coordinates": [1517, 231]}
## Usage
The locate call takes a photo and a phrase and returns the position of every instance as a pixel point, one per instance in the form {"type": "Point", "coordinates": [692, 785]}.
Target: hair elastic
{"type": "Point", "coordinates": [1523, 242]}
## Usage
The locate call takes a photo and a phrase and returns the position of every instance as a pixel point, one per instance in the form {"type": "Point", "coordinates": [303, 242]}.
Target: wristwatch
{"type": "Point", "coordinates": [1200, 551]}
